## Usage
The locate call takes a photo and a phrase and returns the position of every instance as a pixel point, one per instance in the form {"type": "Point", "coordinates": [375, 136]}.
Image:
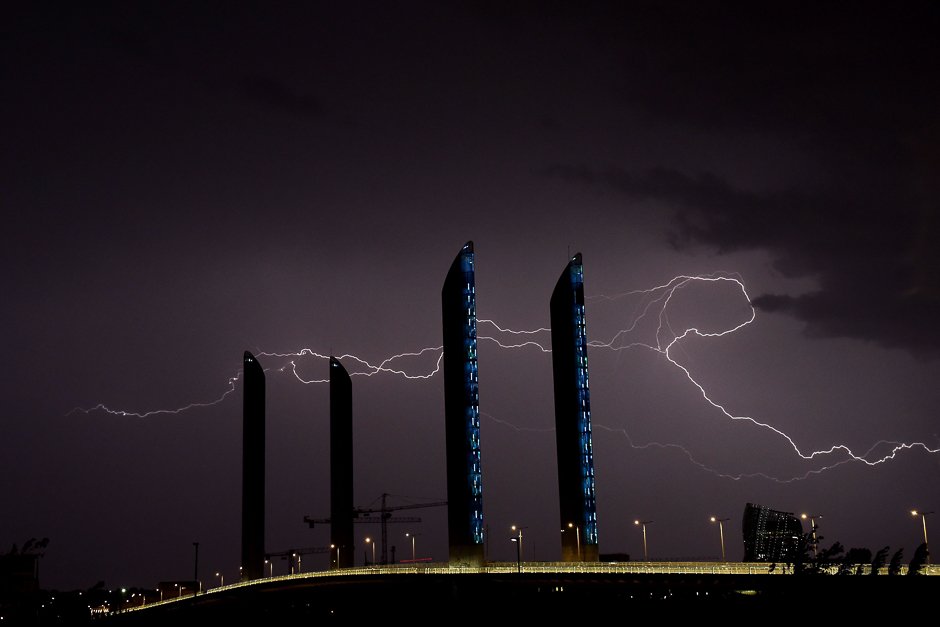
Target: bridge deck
{"type": "Point", "coordinates": [546, 590]}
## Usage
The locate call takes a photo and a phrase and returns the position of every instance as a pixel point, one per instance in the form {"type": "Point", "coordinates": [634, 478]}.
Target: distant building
{"type": "Point", "coordinates": [577, 502]}
{"type": "Point", "coordinates": [462, 411]}
{"type": "Point", "coordinates": [769, 535]}
{"type": "Point", "coordinates": [252, 562]}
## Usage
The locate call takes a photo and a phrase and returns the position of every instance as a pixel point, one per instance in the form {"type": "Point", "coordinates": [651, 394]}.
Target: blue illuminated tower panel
{"type": "Point", "coordinates": [577, 501]}
{"type": "Point", "coordinates": [462, 412]}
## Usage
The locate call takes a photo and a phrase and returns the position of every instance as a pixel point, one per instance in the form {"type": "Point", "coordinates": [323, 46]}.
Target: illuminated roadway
{"type": "Point", "coordinates": [545, 588]}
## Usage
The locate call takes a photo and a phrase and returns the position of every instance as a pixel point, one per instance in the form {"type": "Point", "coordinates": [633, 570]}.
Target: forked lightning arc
{"type": "Point", "coordinates": [654, 302]}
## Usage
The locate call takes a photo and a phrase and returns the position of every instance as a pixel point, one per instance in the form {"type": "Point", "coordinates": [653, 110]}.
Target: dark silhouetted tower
{"type": "Point", "coordinates": [253, 470]}
{"type": "Point", "coordinates": [573, 417]}
{"type": "Point", "coordinates": [462, 412]}
{"type": "Point", "coordinates": [341, 467]}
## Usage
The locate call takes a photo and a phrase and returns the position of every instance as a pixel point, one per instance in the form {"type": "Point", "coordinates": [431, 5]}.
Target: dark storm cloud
{"type": "Point", "coordinates": [877, 278]}
{"type": "Point", "coordinates": [853, 89]}
{"type": "Point", "coordinates": [800, 66]}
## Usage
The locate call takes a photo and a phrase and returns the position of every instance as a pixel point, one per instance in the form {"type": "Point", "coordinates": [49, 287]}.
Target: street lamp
{"type": "Point", "coordinates": [518, 541]}
{"type": "Point", "coordinates": [518, 529]}
{"type": "Point", "coordinates": [221, 579]}
{"type": "Point", "coordinates": [196, 569]}
{"type": "Point", "coordinates": [369, 541]}
{"type": "Point", "coordinates": [923, 517]}
{"type": "Point", "coordinates": [297, 556]}
{"type": "Point", "coordinates": [413, 553]}
{"type": "Point", "coordinates": [270, 564]}
{"type": "Point", "coordinates": [577, 535]}
{"type": "Point", "coordinates": [643, 523]}
{"type": "Point", "coordinates": [721, 534]}
{"type": "Point", "coordinates": [333, 546]}
{"type": "Point", "coordinates": [812, 523]}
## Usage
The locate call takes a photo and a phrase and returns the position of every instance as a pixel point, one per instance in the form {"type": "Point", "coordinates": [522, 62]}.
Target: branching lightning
{"type": "Point", "coordinates": [157, 412]}
{"type": "Point", "coordinates": [370, 369]}
{"type": "Point", "coordinates": [663, 295]}
{"type": "Point", "coordinates": [502, 330]}
{"type": "Point", "coordinates": [654, 301]}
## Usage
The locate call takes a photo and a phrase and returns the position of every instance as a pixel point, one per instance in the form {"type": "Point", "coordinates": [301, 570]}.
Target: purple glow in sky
{"type": "Point", "coordinates": [181, 184]}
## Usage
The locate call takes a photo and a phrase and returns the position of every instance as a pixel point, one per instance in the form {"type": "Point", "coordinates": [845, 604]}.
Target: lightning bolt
{"type": "Point", "coordinates": [502, 330]}
{"type": "Point", "coordinates": [157, 412]}
{"type": "Point", "coordinates": [370, 369]}
{"type": "Point", "coordinates": [513, 332]}
{"type": "Point", "coordinates": [658, 299]}
{"type": "Point", "coordinates": [654, 301]}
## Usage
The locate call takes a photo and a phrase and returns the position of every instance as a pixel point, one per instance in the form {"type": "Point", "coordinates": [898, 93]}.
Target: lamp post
{"type": "Point", "coordinates": [518, 531]}
{"type": "Point", "coordinates": [333, 546]}
{"type": "Point", "coordinates": [721, 534]}
{"type": "Point", "coordinates": [369, 541]}
{"type": "Point", "coordinates": [270, 564]}
{"type": "Point", "coordinates": [577, 535]}
{"type": "Point", "coordinates": [196, 569]}
{"type": "Point", "coordinates": [812, 524]}
{"type": "Point", "coordinates": [221, 579]}
{"type": "Point", "coordinates": [414, 557]}
{"type": "Point", "coordinates": [643, 523]}
{"type": "Point", "coordinates": [923, 517]}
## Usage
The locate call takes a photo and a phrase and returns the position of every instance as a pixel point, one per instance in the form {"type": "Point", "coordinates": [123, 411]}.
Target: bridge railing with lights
{"type": "Point", "coordinates": [546, 568]}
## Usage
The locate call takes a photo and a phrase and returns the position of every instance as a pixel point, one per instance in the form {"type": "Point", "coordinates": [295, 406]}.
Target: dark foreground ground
{"type": "Point", "coordinates": [476, 598]}
{"type": "Point", "coordinates": [488, 598]}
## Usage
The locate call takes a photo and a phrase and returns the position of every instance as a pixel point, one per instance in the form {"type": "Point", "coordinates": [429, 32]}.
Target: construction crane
{"type": "Point", "coordinates": [364, 515]}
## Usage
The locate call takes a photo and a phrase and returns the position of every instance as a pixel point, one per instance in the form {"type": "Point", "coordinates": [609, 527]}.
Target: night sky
{"type": "Point", "coordinates": [182, 183]}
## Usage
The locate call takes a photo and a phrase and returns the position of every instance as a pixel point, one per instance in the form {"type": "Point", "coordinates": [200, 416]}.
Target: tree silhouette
{"type": "Point", "coordinates": [827, 558]}
{"type": "Point", "coordinates": [894, 568]}
{"type": "Point", "coordinates": [30, 547]}
{"type": "Point", "coordinates": [804, 562]}
{"type": "Point", "coordinates": [878, 562]}
{"type": "Point", "coordinates": [918, 561]}
{"type": "Point", "coordinates": [853, 561]}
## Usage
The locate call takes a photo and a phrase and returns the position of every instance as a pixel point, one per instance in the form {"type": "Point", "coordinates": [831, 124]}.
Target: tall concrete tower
{"type": "Point", "coordinates": [253, 470]}
{"type": "Point", "coordinates": [573, 417]}
{"type": "Point", "coordinates": [341, 467]}
{"type": "Point", "coordinates": [462, 412]}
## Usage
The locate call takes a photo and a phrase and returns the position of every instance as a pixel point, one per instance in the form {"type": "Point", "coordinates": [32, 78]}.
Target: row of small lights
{"type": "Point", "coordinates": [518, 539]}
{"type": "Point", "coordinates": [812, 518]}
{"type": "Point", "coordinates": [639, 523]}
